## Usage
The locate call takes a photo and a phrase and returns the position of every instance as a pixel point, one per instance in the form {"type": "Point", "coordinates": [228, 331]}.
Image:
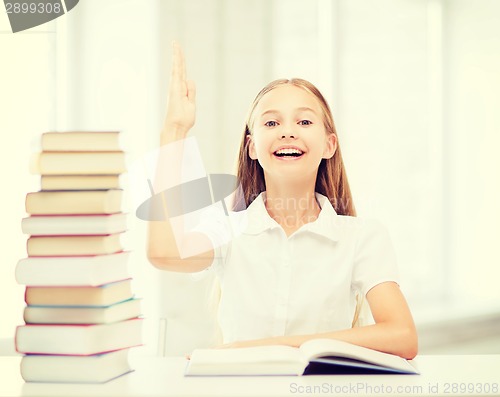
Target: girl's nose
{"type": "Point", "coordinates": [288, 133]}
{"type": "Point", "coordinates": [288, 130]}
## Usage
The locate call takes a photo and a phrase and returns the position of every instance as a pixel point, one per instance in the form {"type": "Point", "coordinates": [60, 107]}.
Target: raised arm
{"type": "Point", "coordinates": [163, 250]}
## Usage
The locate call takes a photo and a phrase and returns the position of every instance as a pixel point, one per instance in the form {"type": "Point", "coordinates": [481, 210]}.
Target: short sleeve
{"type": "Point", "coordinates": [220, 228]}
{"type": "Point", "coordinates": [375, 259]}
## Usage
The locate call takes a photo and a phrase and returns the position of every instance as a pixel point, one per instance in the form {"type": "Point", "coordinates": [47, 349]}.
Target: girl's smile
{"type": "Point", "coordinates": [289, 153]}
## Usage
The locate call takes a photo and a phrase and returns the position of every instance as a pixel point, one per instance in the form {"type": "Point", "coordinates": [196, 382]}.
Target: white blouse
{"type": "Point", "coordinates": [306, 283]}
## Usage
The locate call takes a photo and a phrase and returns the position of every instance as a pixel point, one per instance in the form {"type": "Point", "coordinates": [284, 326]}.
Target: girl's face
{"type": "Point", "coordinates": [288, 133]}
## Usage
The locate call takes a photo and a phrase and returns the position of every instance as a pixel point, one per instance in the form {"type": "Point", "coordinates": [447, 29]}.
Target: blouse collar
{"type": "Point", "coordinates": [325, 225]}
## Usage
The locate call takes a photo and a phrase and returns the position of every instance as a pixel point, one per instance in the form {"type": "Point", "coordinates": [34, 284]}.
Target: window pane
{"type": "Point", "coordinates": [27, 107]}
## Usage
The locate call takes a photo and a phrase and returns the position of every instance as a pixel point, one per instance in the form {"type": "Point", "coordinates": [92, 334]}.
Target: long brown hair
{"type": "Point", "coordinates": [331, 180]}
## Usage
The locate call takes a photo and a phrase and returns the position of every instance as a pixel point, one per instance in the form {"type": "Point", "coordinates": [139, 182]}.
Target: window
{"type": "Point", "coordinates": [27, 101]}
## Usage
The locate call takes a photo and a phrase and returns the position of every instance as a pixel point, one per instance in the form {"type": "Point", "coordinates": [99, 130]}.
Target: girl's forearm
{"type": "Point", "coordinates": [384, 337]}
{"type": "Point", "coordinates": [170, 247]}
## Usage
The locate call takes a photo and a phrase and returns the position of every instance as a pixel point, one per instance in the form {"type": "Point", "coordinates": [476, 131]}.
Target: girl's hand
{"type": "Point", "coordinates": [180, 115]}
{"type": "Point", "coordinates": [255, 342]}
{"type": "Point", "coordinates": [233, 345]}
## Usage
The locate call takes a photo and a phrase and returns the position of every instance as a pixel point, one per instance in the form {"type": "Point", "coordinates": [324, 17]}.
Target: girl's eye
{"type": "Point", "coordinates": [305, 122]}
{"type": "Point", "coordinates": [271, 123]}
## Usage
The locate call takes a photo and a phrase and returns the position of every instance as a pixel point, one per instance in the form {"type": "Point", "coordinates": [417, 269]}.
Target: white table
{"type": "Point", "coordinates": [160, 376]}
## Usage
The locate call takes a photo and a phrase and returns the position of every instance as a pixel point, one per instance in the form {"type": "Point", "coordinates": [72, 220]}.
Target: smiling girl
{"type": "Point", "coordinates": [302, 257]}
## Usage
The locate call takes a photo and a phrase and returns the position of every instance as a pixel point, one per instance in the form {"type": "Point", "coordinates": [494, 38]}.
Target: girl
{"type": "Point", "coordinates": [294, 271]}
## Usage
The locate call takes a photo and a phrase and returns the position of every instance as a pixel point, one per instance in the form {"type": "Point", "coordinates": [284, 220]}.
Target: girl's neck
{"type": "Point", "coordinates": [292, 206]}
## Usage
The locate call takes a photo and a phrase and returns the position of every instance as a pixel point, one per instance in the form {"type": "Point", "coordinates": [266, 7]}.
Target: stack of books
{"type": "Point", "coordinates": [81, 315]}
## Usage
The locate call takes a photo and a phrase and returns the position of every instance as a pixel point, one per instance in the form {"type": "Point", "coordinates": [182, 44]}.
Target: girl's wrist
{"type": "Point", "coordinates": [171, 133]}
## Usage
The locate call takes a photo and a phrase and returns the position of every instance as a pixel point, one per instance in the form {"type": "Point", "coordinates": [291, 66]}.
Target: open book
{"type": "Point", "coordinates": [314, 357]}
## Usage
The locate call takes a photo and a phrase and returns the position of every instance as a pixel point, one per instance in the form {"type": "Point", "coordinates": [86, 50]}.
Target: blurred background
{"type": "Point", "coordinates": [414, 86]}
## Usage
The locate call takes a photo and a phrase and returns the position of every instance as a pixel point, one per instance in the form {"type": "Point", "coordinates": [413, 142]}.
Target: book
{"type": "Point", "coordinates": [59, 225]}
{"type": "Point", "coordinates": [316, 356]}
{"type": "Point", "coordinates": [98, 368]}
{"type": "Point", "coordinates": [101, 295]}
{"type": "Point", "coordinates": [79, 182]}
{"type": "Point", "coordinates": [82, 315]}
{"type": "Point", "coordinates": [80, 141]}
{"type": "Point", "coordinates": [74, 202]}
{"type": "Point", "coordinates": [78, 163]}
{"type": "Point", "coordinates": [73, 245]}
{"type": "Point", "coordinates": [85, 340]}
{"type": "Point", "coordinates": [72, 271]}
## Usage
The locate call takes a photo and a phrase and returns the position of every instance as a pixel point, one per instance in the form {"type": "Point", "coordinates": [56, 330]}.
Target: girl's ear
{"type": "Point", "coordinates": [330, 147]}
{"type": "Point", "coordinates": [251, 148]}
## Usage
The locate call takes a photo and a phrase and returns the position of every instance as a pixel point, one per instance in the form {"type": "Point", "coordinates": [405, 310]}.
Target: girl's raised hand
{"type": "Point", "coordinates": [181, 107]}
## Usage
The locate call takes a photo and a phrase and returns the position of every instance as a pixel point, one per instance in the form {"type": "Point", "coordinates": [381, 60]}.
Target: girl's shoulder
{"type": "Point", "coordinates": [346, 225]}
{"type": "Point", "coordinates": [356, 226]}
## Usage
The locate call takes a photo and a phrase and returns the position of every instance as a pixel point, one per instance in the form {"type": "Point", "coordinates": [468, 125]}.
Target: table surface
{"type": "Point", "coordinates": [164, 376]}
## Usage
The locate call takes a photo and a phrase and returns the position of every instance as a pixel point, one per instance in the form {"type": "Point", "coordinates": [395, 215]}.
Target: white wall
{"type": "Point", "coordinates": [27, 107]}
{"type": "Point", "coordinates": [473, 125]}
{"type": "Point", "coordinates": [112, 51]}
{"type": "Point", "coordinates": [384, 120]}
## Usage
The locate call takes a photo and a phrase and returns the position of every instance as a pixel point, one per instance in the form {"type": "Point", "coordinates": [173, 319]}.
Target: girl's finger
{"type": "Point", "coordinates": [182, 63]}
{"type": "Point", "coordinates": [176, 62]}
{"type": "Point", "coordinates": [177, 83]}
{"type": "Point", "coordinates": [191, 91]}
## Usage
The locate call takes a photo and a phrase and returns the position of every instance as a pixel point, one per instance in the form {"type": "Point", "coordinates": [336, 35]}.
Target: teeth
{"type": "Point", "coordinates": [289, 151]}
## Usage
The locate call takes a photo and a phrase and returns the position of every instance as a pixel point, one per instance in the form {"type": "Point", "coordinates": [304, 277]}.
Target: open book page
{"type": "Point", "coordinates": [320, 348]}
{"type": "Point", "coordinates": [261, 360]}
